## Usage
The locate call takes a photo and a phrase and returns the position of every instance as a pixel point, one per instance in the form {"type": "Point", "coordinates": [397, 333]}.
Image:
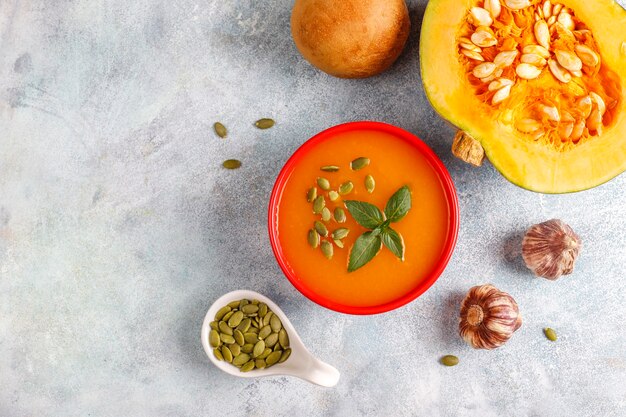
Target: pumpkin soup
{"type": "Point", "coordinates": [317, 230]}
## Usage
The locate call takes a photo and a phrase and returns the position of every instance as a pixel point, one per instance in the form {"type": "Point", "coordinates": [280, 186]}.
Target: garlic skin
{"type": "Point", "coordinates": [489, 317]}
{"type": "Point", "coordinates": [550, 249]}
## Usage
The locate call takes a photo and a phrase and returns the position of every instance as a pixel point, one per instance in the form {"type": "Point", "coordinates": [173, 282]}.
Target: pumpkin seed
{"type": "Point", "coordinates": [260, 364]}
{"type": "Point", "coordinates": [264, 123]}
{"type": "Point", "coordinates": [254, 330]}
{"type": "Point", "coordinates": [340, 215]}
{"type": "Point", "coordinates": [238, 336]}
{"type": "Point", "coordinates": [283, 338]}
{"type": "Point", "coordinates": [213, 325]}
{"type": "Point", "coordinates": [273, 358]}
{"type": "Point", "coordinates": [326, 216]}
{"type": "Point", "coordinates": [346, 188]}
{"type": "Point", "coordinates": [313, 238]}
{"type": "Point", "coordinates": [218, 354]}
{"type": "Point", "coordinates": [311, 195]}
{"type": "Point", "coordinates": [244, 325]}
{"type": "Point", "coordinates": [255, 302]}
{"type": "Point", "coordinates": [224, 328]}
{"type": "Point", "coordinates": [248, 366]}
{"type": "Point", "coordinates": [370, 184]}
{"type": "Point", "coordinates": [228, 339]}
{"type": "Point", "coordinates": [262, 309]}
{"type": "Point", "coordinates": [231, 164]}
{"type": "Point", "coordinates": [259, 348]}
{"type": "Point", "coordinates": [247, 348]}
{"type": "Point", "coordinates": [266, 319]}
{"type": "Point", "coordinates": [327, 249]}
{"type": "Point", "coordinates": [450, 360]}
{"type": "Point", "coordinates": [330, 168]}
{"type": "Point", "coordinates": [228, 315]}
{"type": "Point", "coordinates": [250, 308]}
{"type": "Point", "coordinates": [271, 340]}
{"type": "Point", "coordinates": [338, 243]}
{"type": "Point", "coordinates": [227, 354]}
{"type": "Point", "coordinates": [333, 196]}
{"type": "Point", "coordinates": [243, 303]}
{"type": "Point", "coordinates": [265, 353]}
{"type": "Point", "coordinates": [265, 331]}
{"type": "Point", "coordinates": [214, 338]}
{"type": "Point", "coordinates": [321, 228]}
{"type": "Point", "coordinates": [277, 346]}
{"type": "Point", "coordinates": [285, 355]}
{"type": "Point", "coordinates": [323, 183]}
{"type": "Point", "coordinates": [359, 163]}
{"type": "Point", "coordinates": [251, 338]}
{"type": "Point", "coordinates": [234, 304]}
{"type": "Point", "coordinates": [241, 359]}
{"type": "Point", "coordinates": [319, 204]}
{"type": "Point", "coordinates": [550, 334]}
{"type": "Point", "coordinates": [340, 233]}
{"type": "Point", "coordinates": [222, 311]}
{"type": "Point", "coordinates": [220, 130]}
{"type": "Point", "coordinates": [235, 349]}
{"type": "Point", "coordinates": [235, 319]}
{"type": "Point", "coordinates": [276, 324]}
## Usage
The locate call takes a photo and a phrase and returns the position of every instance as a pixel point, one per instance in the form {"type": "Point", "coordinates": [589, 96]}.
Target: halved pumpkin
{"type": "Point", "coordinates": [540, 85]}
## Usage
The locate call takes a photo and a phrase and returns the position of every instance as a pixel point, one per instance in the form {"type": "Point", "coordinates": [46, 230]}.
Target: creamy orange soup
{"type": "Point", "coordinates": [394, 163]}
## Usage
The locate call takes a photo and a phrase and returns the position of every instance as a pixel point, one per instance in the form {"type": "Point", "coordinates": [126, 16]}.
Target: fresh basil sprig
{"type": "Point", "coordinates": [369, 216]}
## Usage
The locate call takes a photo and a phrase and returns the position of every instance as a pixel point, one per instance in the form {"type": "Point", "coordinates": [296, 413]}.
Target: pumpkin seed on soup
{"type": "Point", "coordinates": [340, 233]}
{"type": "Point", "coordinates": [319, 204]}
{"type": "Point", "coordinates": [327, 249]}
{"type": "Point", "coordinates": [370, 184]}
{"type": "Point", "coordinates": [330, 168]}
{"type": "Point", "coordinates": [359, 163]}
{"type": "Point", "coordinates": [264, 123]}
{"type": "Point", "coordinates": [340, 215]}
{"type": "Point", "coordinates": [231, 164]}
{"type": "Point", "coordinates": [321, 228]}
{"type": "Point", "coordinates": [311, 195]}
{"type": "Point", "coordinates": [313, 238]}
{"type": "Point", "coordinates": [346, 188]}
{"type": "Point", "coordinates": [326, 216]}
{"type": "Point", "coordinates": [338, 243]}
{"type": "Point", "coordinates": [323, 183]}
{"type": "Point", "coordinates": [333, 196]}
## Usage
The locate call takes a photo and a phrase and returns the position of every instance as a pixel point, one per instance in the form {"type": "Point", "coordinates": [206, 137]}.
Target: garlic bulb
{"type": "Point", "coordinates": [489, 317]}
{"type": "Point", "coordinates": [550, 249]}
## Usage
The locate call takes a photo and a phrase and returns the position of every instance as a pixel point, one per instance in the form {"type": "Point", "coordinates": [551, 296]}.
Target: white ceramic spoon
{"type": "Point", "coordinates": [301, 362]}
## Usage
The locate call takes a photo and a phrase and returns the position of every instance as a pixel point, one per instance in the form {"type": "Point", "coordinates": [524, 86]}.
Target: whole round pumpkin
{"type": "Point", "coordinates": [350, 38]}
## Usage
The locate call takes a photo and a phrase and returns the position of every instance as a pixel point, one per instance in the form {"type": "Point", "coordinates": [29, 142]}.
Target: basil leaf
{"type": "Point", "coordinates": [363, 250]}
{"type": "Point", "coordinates": [398, 205]}
{"type": "Point", "coordinates": [365, 214]}
{"type": "Point", "coordinates": [394, 242]}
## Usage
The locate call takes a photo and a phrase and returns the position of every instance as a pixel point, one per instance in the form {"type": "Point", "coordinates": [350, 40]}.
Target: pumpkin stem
{"type": "Point", "coordinates": [468, 149]}
{"type": "Point", "coordinates": [475, 315]}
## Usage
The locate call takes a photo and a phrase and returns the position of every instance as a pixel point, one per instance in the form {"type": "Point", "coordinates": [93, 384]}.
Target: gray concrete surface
{"type": "Point", "coordinates": [118, 228]}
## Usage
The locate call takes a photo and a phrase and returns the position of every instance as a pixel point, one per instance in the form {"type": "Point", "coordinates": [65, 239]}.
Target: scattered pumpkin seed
{"type": "Point", "coordinates": [323, 183]}
{"type": "Point", "coordinates": [220, 130]}
{"type": "Point", "coordinates": [313, 238]}
{"type": "Point", "coordinates": [264, 123]}
{"type": "Point", "coordinates": [218, 354]}
{"type": "Point", "coordinates": [214, 338]}
{"type": "Point", "coordinates": [238, 336]}
{"type": "Point", "coordinates": [319, 204]}
{"type": "Point", "coordinates": [222, 312]}
{"type": "Point", "coordinates": [550, 334]}
{"type": "Point", "coordinates": [450, 360]}
{"type": "Point", "coordinates": [333, 196]}
{"type": "Point", "coordinates": [248, 366]}
{"type": "Point", "coordinates": [359, 163]}
{"type": "Point", "coordinates": [340, 233]}
{"type": "Point", "coordinates": [224, 328]}
{"type": "Point", "coordinates": [271, 340]}
{"type": "Point", "coordinates": [346, 188]}
{"type": "Point", "coordinates": [340, 215]}
{"type": "Point", "coordinates": [311, 195]}
{"type": "Point", "coordinates": [241, 359]}
{"type": "Point", "coordinates": [283, 338]}
{"type": "Point", "coordinates": [231, 164]}
{"type": "Point", "coordinates": [226, 338]}
{"type": "Point", "coordinates": [235, 349]}
{"type": "Point", "coordinates": [285, 355]}
{"type": "Point", "coordinates": [326, 216]}
{"type": "Point", "coordinates": [273, 358]}
{"type": "Point", "coordinates": [327, 249]}
{"type": "Point", "coordinates": [260, 364]}
{"type": "Point", "coordinates": [235, 319]}
{"type": "Point", "coordinates": [330, 168]}
{"type": "Point", "coordinates": [227, 354]}
{"type": "Point", "coordinates": [259, 348]}
{"type": "Point", "coordinates": [338, 243]}
{"type": "Point", "coordinates": [265, 331]}
{"type": "Point", "coordinates": [321, 228]}
{"type": "Point", "coordinates": [370, 184]}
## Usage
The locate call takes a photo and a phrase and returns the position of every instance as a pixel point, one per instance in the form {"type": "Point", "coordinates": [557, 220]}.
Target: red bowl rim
{"type": "Point", "coordinates": [449, 189]}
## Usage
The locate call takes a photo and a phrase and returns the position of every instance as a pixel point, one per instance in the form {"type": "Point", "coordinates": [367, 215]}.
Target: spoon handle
{"type": "Point", "coordinates": [318, 372]}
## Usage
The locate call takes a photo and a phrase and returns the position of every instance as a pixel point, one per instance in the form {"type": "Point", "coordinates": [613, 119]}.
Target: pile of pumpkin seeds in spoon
{"type": "Point", "coordinates": [248, 335]}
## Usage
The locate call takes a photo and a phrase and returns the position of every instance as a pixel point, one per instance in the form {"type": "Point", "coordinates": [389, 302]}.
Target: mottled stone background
{"type": "Point", "coordinates": [118, 229]}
